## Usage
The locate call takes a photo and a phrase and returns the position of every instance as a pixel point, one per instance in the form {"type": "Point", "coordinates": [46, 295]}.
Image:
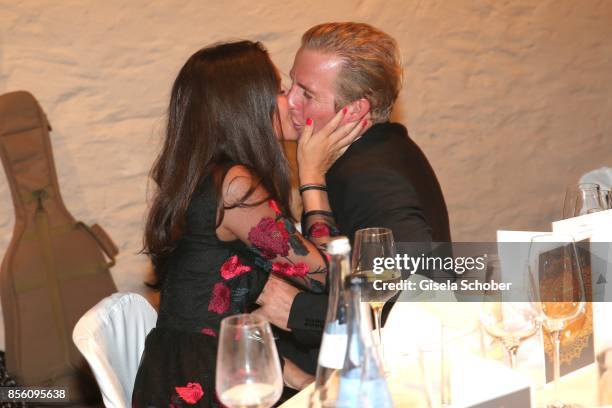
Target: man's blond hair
{"type": "Point", "coordinates": [371, 66]}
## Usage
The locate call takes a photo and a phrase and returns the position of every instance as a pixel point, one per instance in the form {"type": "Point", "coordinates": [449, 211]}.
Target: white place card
{"type": "Point", "coordinates": [480, 383]}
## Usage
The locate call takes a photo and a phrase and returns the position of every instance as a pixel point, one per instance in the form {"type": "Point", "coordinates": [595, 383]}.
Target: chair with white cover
{"type": "Point", "coordinates": [111, 336]}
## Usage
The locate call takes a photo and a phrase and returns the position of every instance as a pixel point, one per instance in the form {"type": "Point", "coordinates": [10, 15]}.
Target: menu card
{"type": "Point", "coordinates": [593, 232]}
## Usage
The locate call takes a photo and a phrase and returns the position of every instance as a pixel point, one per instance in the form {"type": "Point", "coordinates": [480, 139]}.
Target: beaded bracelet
{"type": "Point", "coordinates": [306, 187]}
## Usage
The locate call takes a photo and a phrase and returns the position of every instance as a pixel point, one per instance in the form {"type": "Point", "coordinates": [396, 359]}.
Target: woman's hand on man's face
{"type": "Point", "coordinates": [317, 151]}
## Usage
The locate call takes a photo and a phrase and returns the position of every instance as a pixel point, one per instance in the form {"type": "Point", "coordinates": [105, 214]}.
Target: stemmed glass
{"type": "Point", "coordinates": [606, 198]}
{"type": "Point", "coordinates": [248, 371]}
{"type": "Point", "coordinates": [585, 198]}
{"type": "Point", "coordinates": [371, 244]}
{"type": "Point", "coordinates": [510, 322]}
{"type": "Point", "coordinates": [556, 290]}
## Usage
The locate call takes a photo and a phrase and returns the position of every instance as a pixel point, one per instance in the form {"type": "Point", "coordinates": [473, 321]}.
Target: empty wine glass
{"type": "Point", "coordinates": [510, 322]}
{"type": "Point", "coordinates": [556, 290]}
{"type": "Point", "coordinates": [248, 371]}
{"type": "Point", "coordinates": [606, 198]}
{"type": "Point", "coordinates": [370, 244]}
{"type": "Point", "coordinates": [585, 198]}
{"type": "Point", "coordinates": [604, 363]}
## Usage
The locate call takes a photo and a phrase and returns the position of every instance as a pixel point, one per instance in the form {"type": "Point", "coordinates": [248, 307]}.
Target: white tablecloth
{"type": "Point", "coordinates": [413, 325]}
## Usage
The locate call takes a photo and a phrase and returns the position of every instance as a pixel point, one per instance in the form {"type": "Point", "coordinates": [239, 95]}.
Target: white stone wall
{"type": "Point", "coordinates": [510, 100]}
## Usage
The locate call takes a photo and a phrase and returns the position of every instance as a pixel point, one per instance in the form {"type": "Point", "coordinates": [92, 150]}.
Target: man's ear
{"type": "Point", "coordinates": [357, 109]}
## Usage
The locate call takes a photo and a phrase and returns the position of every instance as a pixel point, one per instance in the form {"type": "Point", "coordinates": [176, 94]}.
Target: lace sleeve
{"type": "Point", "coordinates": [277, 245]}
{"type": "Point", "coordinates": [319, 226]}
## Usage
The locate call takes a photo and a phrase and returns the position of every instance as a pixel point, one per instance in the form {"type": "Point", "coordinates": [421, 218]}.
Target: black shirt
{"type": "Point", "coordinates": [382, 180]}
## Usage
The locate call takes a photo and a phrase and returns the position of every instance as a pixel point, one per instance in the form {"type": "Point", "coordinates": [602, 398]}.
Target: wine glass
{"type": "Point", "coordinates": [606, 198]}
{"type": "Point", "coordinates": [248, 371]}
{"type": "Point", "coordinates": [604, 363]}
{"type": "Point", "coordinates": [585, 198]}
{"type": "Point", "coordinates": [370, 246]}
{"type": "Point", "coordinates": [511, 323]}
{"type": "Point", "coordinates": [556, 290]}
{"type": "Point", "coordinates": [508, 321]}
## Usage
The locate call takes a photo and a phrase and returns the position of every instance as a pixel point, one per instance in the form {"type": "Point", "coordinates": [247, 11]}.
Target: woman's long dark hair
{"type": "Point", "coordinates": [222, 109]}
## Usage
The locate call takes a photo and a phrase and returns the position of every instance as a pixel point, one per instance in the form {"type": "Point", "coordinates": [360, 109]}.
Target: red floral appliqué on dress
{"type": "Point", "coordinates": [209, 332]}
{"type": "Point", "coordinates": [191, 393]}
{"type": "Point", "coordinates": [319, 229]}
{"type": "Point", "coordinates": [220, 299]}
{"type": "Point", "coordinates": [270, 237]}
{"type": "Point", "coordinates": [232, 267]}
{"type": "Point", "coordinates": [274, 206]}
{"type": "Point", "coordinates": [282, 268]}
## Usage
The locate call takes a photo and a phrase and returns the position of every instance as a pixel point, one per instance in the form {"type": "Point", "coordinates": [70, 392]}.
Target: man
{"type": "Point", "coordinates": [382, 180]}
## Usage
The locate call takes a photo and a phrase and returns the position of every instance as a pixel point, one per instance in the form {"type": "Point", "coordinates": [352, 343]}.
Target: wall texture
{"type": "Point", "coordinates": [510, 100]}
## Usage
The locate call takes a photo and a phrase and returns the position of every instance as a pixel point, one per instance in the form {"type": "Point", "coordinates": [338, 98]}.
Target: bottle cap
{"type": "Point", "coordinates": [338, 246]}
{"type": "Point", "coordinates": [355, 280]}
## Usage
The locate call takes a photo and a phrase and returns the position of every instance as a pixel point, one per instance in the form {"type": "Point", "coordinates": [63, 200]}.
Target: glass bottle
{"type": "Point", "coordinates": [335, 338]}
{"type": "Point", "coordinates": [362, 381]}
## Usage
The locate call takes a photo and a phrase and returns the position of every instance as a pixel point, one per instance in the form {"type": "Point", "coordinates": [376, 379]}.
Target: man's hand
{"type": "Point", "coordinates": [275, 301]}
{"type": "Point", "coordinates": [294, 377]}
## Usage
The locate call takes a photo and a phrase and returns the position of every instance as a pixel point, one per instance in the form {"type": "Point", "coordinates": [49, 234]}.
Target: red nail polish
{"type": "Point", "coordinates": [309, 121]}
{"type": "Point", "coordinates": [344, 111]}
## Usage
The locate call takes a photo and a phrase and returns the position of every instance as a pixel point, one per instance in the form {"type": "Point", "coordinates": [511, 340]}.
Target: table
{"type": "Point", "coordinates": [406, 384]}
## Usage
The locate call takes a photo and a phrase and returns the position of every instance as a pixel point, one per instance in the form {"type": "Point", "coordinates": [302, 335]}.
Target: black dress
{"type": "Point", "coordinates": [208, 279]}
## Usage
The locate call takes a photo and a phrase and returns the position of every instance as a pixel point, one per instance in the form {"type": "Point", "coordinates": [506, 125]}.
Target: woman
{"type": "Point", "coordinates": [218, 225]}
